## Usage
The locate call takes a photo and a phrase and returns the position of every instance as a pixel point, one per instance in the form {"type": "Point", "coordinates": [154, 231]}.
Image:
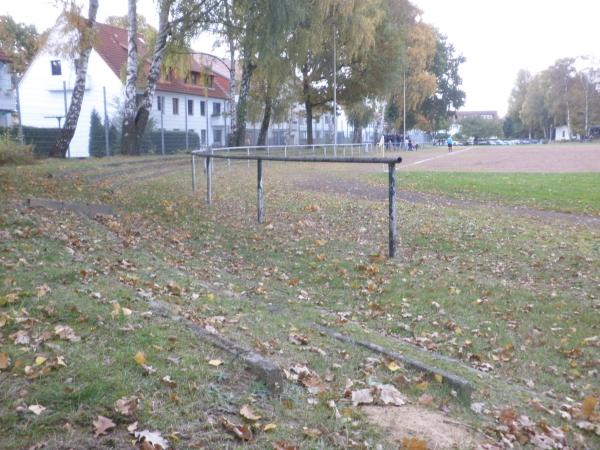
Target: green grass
{"type": "Point", "coordinates": [571, 192]}
{"type": "Point", "coordinates": [467, 283]}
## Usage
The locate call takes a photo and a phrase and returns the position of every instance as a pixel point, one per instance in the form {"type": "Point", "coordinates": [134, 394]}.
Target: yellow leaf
{"type": "Point", "coordinates": [439, 378]}
{"type": "Point", "coordinates": [588, 406]}
{"type": "Point", "coordinates": [269, 427]}
{"type": "Point", "coordinates": [248, 413]}
{"type": "Point", "coordinates": [140, 358]}
{"type": "Point", "coordinates": [393, 366]}
{"type": "Point", "coordinates": [210, 296]}
{"type": "Point", "coordinates": [40, 360]}
{"type": "Point", "coordinates": [422, 385]}
{"type": "Point", "coordinates": [215, 362]}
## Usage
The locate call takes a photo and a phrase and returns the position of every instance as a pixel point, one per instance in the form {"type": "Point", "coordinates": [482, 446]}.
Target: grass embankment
{"type": "Point", "coordinates": [502, 294]}
{"type": "Point", "coordinates": [571, 192]}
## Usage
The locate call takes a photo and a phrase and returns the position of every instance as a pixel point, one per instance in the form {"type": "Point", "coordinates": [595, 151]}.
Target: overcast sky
{"type": "Point", "coordinates": [498, 37]}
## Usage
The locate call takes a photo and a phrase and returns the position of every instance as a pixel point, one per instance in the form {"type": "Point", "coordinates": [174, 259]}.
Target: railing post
{"type": "Point", "coordinates": [248, 154]}
{"type": "Point", "coordinates": [208, 181]}
{"type": "Point", "coordinates": [392, 209]}
{"type": "Point", "coordinates": [285, 151]}
{"type": "Point", "coordinates": [193, 172]}
{"type": "Point", "coordinates": [260, 194]}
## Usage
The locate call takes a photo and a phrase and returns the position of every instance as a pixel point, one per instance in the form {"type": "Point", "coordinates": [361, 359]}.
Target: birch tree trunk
{"type": "Point", "coordinates": [264, 126]}
{"type": "Point", "coordinates": [232, 77]}
{"type": "Point", "coordinates": [307, 106]}
{"type": "Point", "coordinates": [59, 150]}
{"type": "Point", "coordinates": [129, 136]}
{"type": "Point", "coordinates": [143, 112]}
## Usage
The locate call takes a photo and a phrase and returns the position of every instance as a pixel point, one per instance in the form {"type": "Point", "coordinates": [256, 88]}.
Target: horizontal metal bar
{"type": "Point", "coordinates": [328, 159]}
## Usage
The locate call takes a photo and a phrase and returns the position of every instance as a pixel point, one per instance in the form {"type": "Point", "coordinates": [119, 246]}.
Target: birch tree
{"type": "Point", "coordinates": [129, 134]}
{"type": "Point", "coordinates": [84, 31]}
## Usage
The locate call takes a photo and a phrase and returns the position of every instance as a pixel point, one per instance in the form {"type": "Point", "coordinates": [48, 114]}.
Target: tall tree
{"type": "Point", "coordinates": [515, 125]}
{"type": "Point", "coordinates": [20, 42]}
{"type": "Point", "coordinates": [84, 30]}
{"type": "Point", "coordinates": [129, 134]}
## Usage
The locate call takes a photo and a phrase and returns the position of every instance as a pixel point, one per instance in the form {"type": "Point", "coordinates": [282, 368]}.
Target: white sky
{"type": "Point", "coordinates": [498, 37]}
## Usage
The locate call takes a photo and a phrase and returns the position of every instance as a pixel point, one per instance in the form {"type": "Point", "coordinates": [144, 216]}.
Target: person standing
{"type": "Point", "coordinates": [449, 141]}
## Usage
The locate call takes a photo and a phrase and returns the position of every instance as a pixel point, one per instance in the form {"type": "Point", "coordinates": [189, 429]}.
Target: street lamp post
{"type": "Point", "coordinates": [404, 109]}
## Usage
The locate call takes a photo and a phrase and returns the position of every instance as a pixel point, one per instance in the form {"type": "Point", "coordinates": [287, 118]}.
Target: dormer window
{"type": "Point", "coordinates": [55, 67]}
{"type": "Point", "coordinates": [194, 77]}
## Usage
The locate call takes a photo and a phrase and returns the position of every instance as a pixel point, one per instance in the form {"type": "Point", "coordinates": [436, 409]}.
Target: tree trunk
{"type": "Point", "coordinates": [143, 112]}
{"type": "Point", "coordinates": [264, 126]}
{"type": "Point", "coordinates": [129, 136]}
{"type": "Point", "coordinates": [356, 134]}
{"type": "Point", "coordinates": [59, 150]}
{"type": "Point", "coordinates": [240, 131]}
{"type": "Point", "coordinates": [232, 78]}
{"type": "Point", "coordinates": [307, 105]}
{"type": "Point", "coordinates": [309, 123]}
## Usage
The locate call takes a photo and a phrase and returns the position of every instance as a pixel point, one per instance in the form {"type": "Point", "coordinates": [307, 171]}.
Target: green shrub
{"type": "Point", "coordinates": [14, 153]}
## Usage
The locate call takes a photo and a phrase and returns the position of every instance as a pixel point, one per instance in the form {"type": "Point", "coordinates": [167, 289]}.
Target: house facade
{"type": "Point", "coordinates": [180, 104]}
{"type": "Point", "coordinates": [7, 94]}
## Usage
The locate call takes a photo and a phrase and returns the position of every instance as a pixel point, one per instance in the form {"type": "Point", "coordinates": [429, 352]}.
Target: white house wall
{"type": "Point", "coordinates": [41, 95]}
{"type": "Point", "coordinates": [196, 121]}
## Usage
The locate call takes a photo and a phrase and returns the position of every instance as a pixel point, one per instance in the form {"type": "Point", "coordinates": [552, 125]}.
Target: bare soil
{"type": "Point", "coordinates": [409, 421]}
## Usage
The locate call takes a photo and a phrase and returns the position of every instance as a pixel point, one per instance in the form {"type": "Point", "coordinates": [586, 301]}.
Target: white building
{"type": "Point", "coordinates": [46, 89]}
{"type": "Point", "coordinates": [7, 95]}
{"type": "Point", "coordinates": [562, 133]}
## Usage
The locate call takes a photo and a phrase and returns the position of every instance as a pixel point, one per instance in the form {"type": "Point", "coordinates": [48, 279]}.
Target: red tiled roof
{"type": "Point", "coordinates": [4, 57]}
{"type": "Point", "coordinates": [111, 45]}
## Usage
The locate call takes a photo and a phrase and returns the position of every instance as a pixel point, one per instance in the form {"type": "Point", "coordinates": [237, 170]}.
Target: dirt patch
{"type": "Point", "coordinates": [439, 431]}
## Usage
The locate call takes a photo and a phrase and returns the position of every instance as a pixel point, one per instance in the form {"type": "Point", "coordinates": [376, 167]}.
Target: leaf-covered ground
{"type": "Point", "coordinates": [511, 301]}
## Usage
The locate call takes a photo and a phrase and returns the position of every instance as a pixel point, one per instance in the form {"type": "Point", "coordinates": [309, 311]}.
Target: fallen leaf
{"type": "Point", "coordinates": [312, 432]}
{"type": "Point", "coordinates": [102, 425]}
{"type": "Point", "coordinates": [215, 362]}
{"type": "Point", "coordinates": [414, 444]}
{"type": "Point", "coordinates": [390, 395]}
{"type": "Point", "coordinates": [426, 400]}
{"type": "Point", "coordinates": [240, 431]}
{"type": "Point", "coordinates": [392, 366]}
{"type": "Point", "coordinates": [20, 337]}
{"type": "Point", "coordinates": [167, 380]}
{"type": "Point", "coordinates": [153, 438]}
{"type": "Point", "coordinates": [248, 413]}
{"type": "Point", "coordinates": [439, 378]}
{"type": "Point", "coordinates": [66, 333]}
{"type": "Point", "coordinates": [140, 358]}
{"type": "Point", "coordinates": [588, 406]}
{"type": "Point", "coordinates": [269, 427]}
{"type": "Point", "coordinates": [126, 405]}
{"type": "Point", "coordinates": [362, 397]}
{"type": "Point", "coordinates": [39, 360]}
{"type": "Point", "coordinates": [132, 427]}
{"type": "Point", "coordinates": [298, 339]}
{"type": "Point", "coordinates": [284, 445]}
{"type": "Point", "coordinates": [4, 360]}
{"type": "Point", "coordinates": [36, 409]}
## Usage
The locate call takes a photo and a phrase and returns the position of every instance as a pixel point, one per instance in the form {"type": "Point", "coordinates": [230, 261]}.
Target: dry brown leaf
{"type": "Point", "coordinates": [215, 362]}
{"type": "Point", "coordinates": [102, 425]}
{"type": "Point", "coordinates": [4, 360]}
{"type": "Point", "coordinates": [240, 431]}
{"type": "Point", "coordinates": [284, 445]}
{"type": "Point", "coordinates": [152, 438]}
{"type": "Point", "coordinates": [414, 444]}
{"type": "Point", "coordinates": [426, 400]}
{"type": "Point", "coordinates": [167, 380]}
{"type": "Point", "coordinates": [312, 432]}
{"type": "Point", "coordinates": [362, 397]}
{"type": "Point", "coordinates": [248, 413]}
{"type": "Point", "coordinates": [36, 409]}
{"type": "Point", "coordinates": [298, 339]}
{"type": "Point", "coordinates": [390, 395]}
{"type": "Point", "coordinates": [269, 427]}
{"type": "Point", "coordinates": [65, 332]}
{"type": "Point", "coordinates": [126, 405]}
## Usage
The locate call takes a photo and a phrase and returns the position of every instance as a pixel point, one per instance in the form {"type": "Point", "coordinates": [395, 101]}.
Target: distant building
{"type": "Point", "coordinates": [7, 94]}
{"type": "Point", "coordinates": [488, 115]}
{"type": "Point", "coordinates": [562, 133]}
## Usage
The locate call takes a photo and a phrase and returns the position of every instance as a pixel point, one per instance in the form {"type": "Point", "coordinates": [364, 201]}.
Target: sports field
{"type": "Point", "coordinates": [496, 282]}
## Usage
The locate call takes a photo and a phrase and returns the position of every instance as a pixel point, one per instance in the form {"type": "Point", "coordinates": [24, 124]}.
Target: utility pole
{"type": "Point", "coordinates": [105, 123]}
{"type": "Point", "coordinates": [404, 109]}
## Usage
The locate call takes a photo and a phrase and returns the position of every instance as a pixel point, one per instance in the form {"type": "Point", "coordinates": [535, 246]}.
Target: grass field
{"type": "Point", "coordinates": [512, 300]}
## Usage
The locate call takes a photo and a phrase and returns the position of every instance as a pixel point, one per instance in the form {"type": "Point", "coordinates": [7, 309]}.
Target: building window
{"type": "Point", "coordinates": [203, 137]}
{"type": "Point", "coordinates": [193, 78]}
{"type": "Point", "coordinates": [190, 107]}
{"type": "Point", "coordinates": [55, 67]}
{"type": "Point", "coordinates": [216, 109]}
{"type": "Point", "coordinates": [202, 108]}
{"type": "Point", "coordinates": [159, 102]}
{"type": "Point", "coordinates": [175, 106]}
{"type": "Point", "coordinates": [217, 135]}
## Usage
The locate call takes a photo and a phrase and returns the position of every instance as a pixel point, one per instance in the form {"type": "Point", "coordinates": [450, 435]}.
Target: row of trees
{"type": "Point", "coordinates": [284, 52]}
{"type": "Point", "coordinates": [567, 93]}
